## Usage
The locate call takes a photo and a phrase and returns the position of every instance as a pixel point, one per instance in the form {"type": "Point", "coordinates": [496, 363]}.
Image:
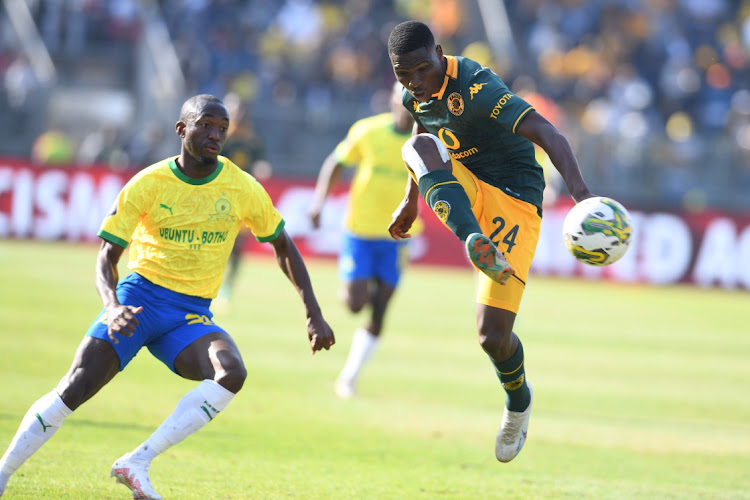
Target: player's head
{"type": "Point", "coordinates": [203, 125]}
{"type": "Point", "coordinates": [417, 61]}
{"type": "Point", "coordinates": [401, 116]}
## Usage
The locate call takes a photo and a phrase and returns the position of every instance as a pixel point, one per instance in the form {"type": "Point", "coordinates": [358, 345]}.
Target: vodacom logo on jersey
{"type": "Point", "coordinates": [453, 144]}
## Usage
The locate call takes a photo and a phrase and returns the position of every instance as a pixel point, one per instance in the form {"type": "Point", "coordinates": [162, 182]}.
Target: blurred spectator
{"type": "Point", "coordinates": [54, 147]}
{"type": "Point", "coordinates": [631, 78]}
{"type": "Point", "coordinates": [103, 147]}
{"type": "Point", "coordinates": [20, 83]}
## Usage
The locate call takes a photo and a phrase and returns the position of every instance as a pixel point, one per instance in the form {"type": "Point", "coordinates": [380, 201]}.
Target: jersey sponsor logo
{"type": "Point", "coordinates": [189, 236]}
{"type": "Point", "coordinates": [474, 89]}
{"type": "Point", "coordinates": [456, 104]}
{"type": "Point", "coordinates": [464, 154]}
{"type": "Point", "coordinates": [500, 105]}
{"type": "Point", "coordinates": [162, 205]}
{"type": "Point", "coordinates": [442, 209]}
{"type": "Point", "coordinates": [178, 235]}
{"type": "Point", "coordinates": [451, 142]}
{"type": "Point", "coordinates": [449, 139]}
{"type": "Point", "coordinates": [223, 210]}
{"type": "Point", "coordinates": [214, 236]}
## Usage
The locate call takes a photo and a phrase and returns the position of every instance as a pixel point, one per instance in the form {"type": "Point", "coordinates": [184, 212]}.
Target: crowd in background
{"type": "Point", "coordinates": [653, 94]}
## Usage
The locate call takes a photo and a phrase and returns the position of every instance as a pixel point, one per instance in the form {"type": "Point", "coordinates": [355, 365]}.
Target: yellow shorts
{"type": "Point", "coordinates": [513, 225]}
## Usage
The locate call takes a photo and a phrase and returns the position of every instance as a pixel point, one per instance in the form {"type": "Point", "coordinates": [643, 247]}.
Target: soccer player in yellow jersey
{"type": "Point", "coordinates": [472, 160]}
{"type": "Point", "coordinates": [370, 261]}
{"type": "Point", "coordinates": [180, 217]}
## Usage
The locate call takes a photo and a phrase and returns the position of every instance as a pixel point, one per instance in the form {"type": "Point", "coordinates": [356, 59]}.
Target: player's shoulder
{"type": "Point", "coordinates": [148, 174]}
{"type": "Point", "coordinates": [374, 121]}
{"type": "Point", "coordinates": [367, 125]}
{"type": "Point", "coordinates": [471, 73]}
{"type": "Point", "coordinates": [232, 172]}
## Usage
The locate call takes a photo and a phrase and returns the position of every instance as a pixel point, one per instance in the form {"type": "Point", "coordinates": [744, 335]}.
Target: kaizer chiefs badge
{"type": "Point", "coordinates": [442, 209]}
{"type": "Point", "coordinates": [456, 104]}
{"type": "Point", "coordinates": [513, 385]}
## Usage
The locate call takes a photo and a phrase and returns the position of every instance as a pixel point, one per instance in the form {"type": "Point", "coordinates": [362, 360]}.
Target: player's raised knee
{"type": "Point", "coordinates": [424, 153]}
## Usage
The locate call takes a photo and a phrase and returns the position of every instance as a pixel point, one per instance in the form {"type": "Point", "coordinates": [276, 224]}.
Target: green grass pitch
{"type": "Point", "coordinates": [640, 393]}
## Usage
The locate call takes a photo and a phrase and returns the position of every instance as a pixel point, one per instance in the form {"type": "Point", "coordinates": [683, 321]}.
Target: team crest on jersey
{"type": "Point", "coordinates": [456, 104]}
{"type": "Point", "coordinates": [442, 209]}
{"type": "Point", "coordinates": [223, 210]}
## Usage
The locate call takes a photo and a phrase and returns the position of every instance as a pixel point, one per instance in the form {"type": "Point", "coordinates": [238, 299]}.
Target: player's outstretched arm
{"type": "Point", "coordinates": [120, 319]}
{"type": "Point", "coordinates": [537, 129]}
{"type": "Point", "coordinates": [406, 213]}
{"type": "Point", "coordinates": [290, 261]}
{"type": "Point", "coordinates": [328, 176]}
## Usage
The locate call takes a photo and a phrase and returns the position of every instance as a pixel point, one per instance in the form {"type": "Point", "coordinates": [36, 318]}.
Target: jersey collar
{"type": "Point", "coordinates": [450, 72]}
{"type": "Point", "coordinates": [196, 182]}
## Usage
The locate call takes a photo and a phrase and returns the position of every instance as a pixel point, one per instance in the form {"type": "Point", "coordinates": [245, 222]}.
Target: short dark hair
{"type": "Point", "coordinates": [409, 36]}
{"type": "Point", "coordinates": [190, 107]}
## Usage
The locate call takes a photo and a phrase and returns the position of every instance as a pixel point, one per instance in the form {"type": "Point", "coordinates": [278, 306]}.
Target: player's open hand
{"type": "Point", "coordinates": [319, 333]}
{"type": "Point", "coordinates": [121, 320]}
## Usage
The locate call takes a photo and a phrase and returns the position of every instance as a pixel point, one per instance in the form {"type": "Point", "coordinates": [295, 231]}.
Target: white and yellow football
{"type": "Point", "coordinates": [597, 231]}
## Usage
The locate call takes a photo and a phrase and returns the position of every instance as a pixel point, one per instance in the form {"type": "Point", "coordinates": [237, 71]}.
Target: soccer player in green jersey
{"type": "Point", "coordinates": [370, 261]}
{"type": "Point", "coordinates": [472, 160]}
{"type": "Point", "coordinates": [180, 217]}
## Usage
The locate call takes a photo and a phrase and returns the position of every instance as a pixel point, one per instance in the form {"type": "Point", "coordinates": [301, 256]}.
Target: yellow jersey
{"type": "Point", "coordinates": [373, 146]}
{"type": "Point", "coordinates": [181, 230]}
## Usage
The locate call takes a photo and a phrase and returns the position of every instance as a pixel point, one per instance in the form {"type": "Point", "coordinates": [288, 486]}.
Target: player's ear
{"type": "Point", "coordinates": [439, 50]}
{"type": "Point", "coordinates": [179, 127]}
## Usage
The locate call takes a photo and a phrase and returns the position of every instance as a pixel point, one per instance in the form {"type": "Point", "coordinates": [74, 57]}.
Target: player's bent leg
{"type": "Point", "coordinates": [94, 364]}
{"type": "Point", "coordinates": [215, 360]}
{"type": "Point", "coordinates": [213, 357]}
{"type": "Point", "coordinates": [429, 161]}
{"type": "Point", "coordinates": [355, 294]}
{"type": "Point", "coordinates": [506, 353]}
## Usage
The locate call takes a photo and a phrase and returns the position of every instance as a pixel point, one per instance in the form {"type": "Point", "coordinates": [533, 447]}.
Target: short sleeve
{"type": "Point", "coordinates": [120, 223]}
{"type": "Point", "coordinates": [492, 101]}
{"type": "Point", "coordinates": [264, 221]}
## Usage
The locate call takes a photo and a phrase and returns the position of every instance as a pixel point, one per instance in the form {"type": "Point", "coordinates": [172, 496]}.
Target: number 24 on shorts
{"type": "Point", "coordinates": [509, 238]}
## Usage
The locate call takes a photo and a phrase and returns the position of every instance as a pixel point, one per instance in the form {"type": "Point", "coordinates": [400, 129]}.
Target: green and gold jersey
{"type": "Point", "coordinates": [373, 146]}
{"type": "Point", "coordinates": [181, 230]}
{"type": "Point", "coordinates": [475, 115]}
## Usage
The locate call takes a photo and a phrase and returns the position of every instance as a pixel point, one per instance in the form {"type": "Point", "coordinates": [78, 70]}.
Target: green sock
{"type": "Point", "coordinates": [447, 198]}
{"type": "Point", "coordinates": [513, 377]}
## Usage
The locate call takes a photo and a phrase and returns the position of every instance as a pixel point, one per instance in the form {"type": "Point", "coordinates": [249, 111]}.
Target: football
{"type": "Point", "coordinates": [597, 231]}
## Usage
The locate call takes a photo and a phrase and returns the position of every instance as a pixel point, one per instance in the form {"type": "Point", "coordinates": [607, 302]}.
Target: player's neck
{"type": "Point", "coordinates": [195, 169]}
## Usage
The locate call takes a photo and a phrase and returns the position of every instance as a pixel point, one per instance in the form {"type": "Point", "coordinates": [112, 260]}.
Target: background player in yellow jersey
{"type": "Point", "coordinates": [472, 160]}
{"type": "Point", "coordinates": [180, 217]}
{"type": "Point", "coordinates": [370, 261]}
